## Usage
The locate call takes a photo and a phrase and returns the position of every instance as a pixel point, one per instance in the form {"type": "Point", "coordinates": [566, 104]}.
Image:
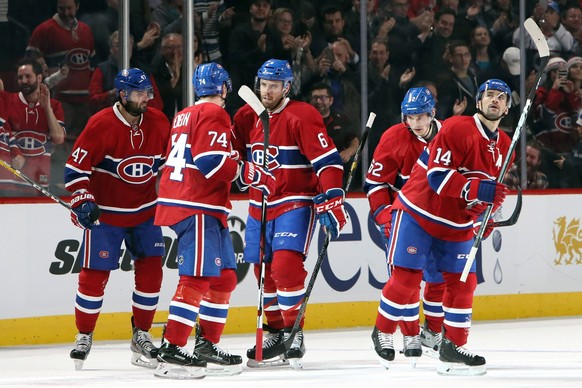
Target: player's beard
{"type": "Point", "coordinates": [134, 109]}
{"type": "Point", "coordinates": [27, 89]}
{"type": "Point", "coordinates": [491, 116]}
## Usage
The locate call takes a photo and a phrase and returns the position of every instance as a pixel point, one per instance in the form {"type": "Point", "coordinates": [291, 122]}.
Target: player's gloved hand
{"type": "Point", "coordinates": [488, 228]}
{"type": "Point", "coordinates": [383, 218]}
{"type": "Point", "coordinates": [329, 207]}
{"type": "Point", "coordinates": [256, 176]}
{"type": "Point", "coordinates": [84, 210]}
{"type": "Point", "coordinates": [484, 190]}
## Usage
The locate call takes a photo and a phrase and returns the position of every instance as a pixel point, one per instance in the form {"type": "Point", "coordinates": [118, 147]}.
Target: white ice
{"type": "Point", "coordinates": [519, 353]}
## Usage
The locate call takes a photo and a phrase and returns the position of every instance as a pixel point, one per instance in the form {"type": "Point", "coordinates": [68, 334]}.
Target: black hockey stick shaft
{"type": "Point", "coordinates": [251, 98]}
{"type": "Point", "coordinates": [512, 220]}
{"type": "Point", "coordinates": [34, 184]}
{"type": "Point", "coordinates": [544, 52]}
{"type": "Point", "coordinates": [326, 241]}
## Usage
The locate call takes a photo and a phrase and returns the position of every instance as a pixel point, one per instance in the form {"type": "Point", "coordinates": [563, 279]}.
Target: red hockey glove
{"type": "Point", "coordinates": [84, 211]}
{"type": "Point", "coordinates": [383, 218]}
{"type": "Point", "coordinates": [330, 210]}
{"type": "Point", "coordinates": [488, 229]}
{"type": "Point", "coordinates": [484, 190]}
{"type": "Point", "coordinates": [256, 176]}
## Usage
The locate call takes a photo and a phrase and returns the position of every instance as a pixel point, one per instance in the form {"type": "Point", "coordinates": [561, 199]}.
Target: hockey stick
{"type": "Point", "coordinates": [541, 44]}
{"type": "Point", "coordinates": [34, 184]}
{"type": "Point", "coordinates": [323, 251]}
{"type": "Point", "coordinates": [251, 98]}
{"type": "Point", "coordinates": [514, 216]}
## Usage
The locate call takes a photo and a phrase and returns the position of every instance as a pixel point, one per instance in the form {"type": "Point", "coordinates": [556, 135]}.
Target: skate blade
{"type": "Point", "coordinates": [223, 370]}
{"type": "Point", "coordinates": [79, 364]}
{"type": "Point", "coordinates": [271, 363]}
{"type": "Point", "coordinates": [430, 352]}
{"type": "Point", "coordinates": [179, 372]}
{"type": "Point", "coordinates": [454, 369]}
{"type": "Point", "coordinates": [139, 359]}
{"type": "Point", "coordinates": [296, 363]}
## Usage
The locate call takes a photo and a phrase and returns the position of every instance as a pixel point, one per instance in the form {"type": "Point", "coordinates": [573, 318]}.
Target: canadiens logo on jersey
{"type": "Point", "coordinates": [257, 153]}
{"type": "Point", "coordinates": [136, 170]}
{"type": "Point", "coordinates": [31, 143]}
{"type": "Point", "coordinates": [78, 59]}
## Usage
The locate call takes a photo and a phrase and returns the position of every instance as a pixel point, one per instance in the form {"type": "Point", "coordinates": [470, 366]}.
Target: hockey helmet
{"type": "Point", "coordinates": [275, 70]}
{"type": "Point", "coordinates": [494, 84]}
{"type": "Point", "coordinates": [209, 78]}
{"type": "Point", "coordinates": [417, 101]}
{"type": "Point", "coordinates": [133, 79]}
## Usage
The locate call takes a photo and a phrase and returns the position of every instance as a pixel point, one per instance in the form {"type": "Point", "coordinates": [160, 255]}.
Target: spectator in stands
{"type": "Point", "coordinates": [485, 60]}
{"type": "Point", "coordinates": [168, 15]}
{"type": "Point", "coordinates": [102, 91]}
{"type": "Point", "coordinates": [571, 163]}
{"type": "Point", "coordinates": [213, 15]}
{"type": "Point", "coordinates": [37, 123]}
{"type": "Point", "coordinates": [533, 160]}
{"type": "Point", "coordinates": [297, 46]}
{"type": "Point", "coordinates": [572, 21]}
{"type": "Point", "coordinates": [338, 126]}
{"type": "Point", "coordinates": [432, 56]}
{"type": "Point", "coordinates": [334, 28]}
{"type": "Point", "coordinates": [168, 74]}
{"type": "Point", "coordinates": [458, 85]}
{"type": "Point", "coordinates": [250, 45]}
{"type": "Point", "coordinates": [501, 20]}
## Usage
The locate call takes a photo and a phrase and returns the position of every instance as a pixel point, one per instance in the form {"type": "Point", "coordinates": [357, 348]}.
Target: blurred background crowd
{"type": "Point", "coordinates": [70, 48]}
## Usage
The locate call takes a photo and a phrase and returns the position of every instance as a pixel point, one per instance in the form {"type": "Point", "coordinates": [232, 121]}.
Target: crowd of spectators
{"type": "Point", "coordinates": [450, 46]}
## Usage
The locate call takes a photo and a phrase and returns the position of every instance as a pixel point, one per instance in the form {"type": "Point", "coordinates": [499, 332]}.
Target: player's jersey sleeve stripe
{"type": "Point", "coordinates": [438, 178]}
{"type": "Point", "coordinates": [329, 159]}
{"type": "Point", "coordinates": [208, 163]}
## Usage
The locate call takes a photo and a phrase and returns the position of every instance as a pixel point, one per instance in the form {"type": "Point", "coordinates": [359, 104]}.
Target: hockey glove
{"type": "Point", "coordinates": [383, 218]}
{"type": "Point", "coordinates": [477, 191]}
{"type": "Point", "coordinates": [84, 209]}
{"type": "Point", "coordinates": [488, 229]}
{"type": "Point", "coordinates": [330, 210]}
{"type": "Point", "coordinates": [256, 176]}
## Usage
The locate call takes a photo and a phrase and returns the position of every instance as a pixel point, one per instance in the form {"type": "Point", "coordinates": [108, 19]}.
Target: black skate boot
{"type": "Point", "coordinates": [458, 361]}
{"type": "Point", "coordinates": [430, 341]}
{"type": "Point", "coordinates": [219, 362]}
{"type": "Point", "coordinates": [384, 346]}
{"type": "Point", "coordinates": [412, 348]}
{"type": "Point", "coordinates": [296, 350]}
{"type": "Point", "coordinates": [273, 348]}
{"type": "Point", "coordinates": [144, 352]}
{"type": "Point", "coordinates": [83, 342]}
{"type": "Point", "coordinates": [176, 363]}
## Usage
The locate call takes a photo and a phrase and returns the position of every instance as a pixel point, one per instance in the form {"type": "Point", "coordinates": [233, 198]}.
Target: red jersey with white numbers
{"type": "Point", "coordinates": [301, 155]}
{"type": "Point", "coordinates": [75, 48]}
{"type": "Point", "coordinates": [199, 169]}
{"type": "Point", "coordinates": [462, 149]}
{"type": "Point", "coordinates": [29, 125]}
{"type": "Point", "coordinates": [119, 163]}
{"type": "Point", "coordinates": [393, 160]}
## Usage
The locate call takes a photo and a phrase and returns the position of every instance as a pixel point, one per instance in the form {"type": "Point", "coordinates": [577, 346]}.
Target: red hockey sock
{"type": "Point", "coordinates": [89, 298]}
{"type": "Point", "coordinates": [289, 275]}
{"type": "Point", "coordinates": [396, 294]}
{"type": "Point", "coordinates": [214, 305]}
{"type": "Point", "coordinates": [433, 306]}
{"type": "Point", "coordinates": [458, 306]}
{"type": "Point", "coordinates": [271, 304]}
{"type": "Point", "coordinates": [148, 281]}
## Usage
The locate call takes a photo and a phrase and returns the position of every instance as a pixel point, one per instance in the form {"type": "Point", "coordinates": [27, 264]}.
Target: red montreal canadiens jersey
{"type": "Point", "coordinates": [29, 126]}
{"type": "Point", "coordinates": [8, 147]}
{"type": "Point", "coordinates": [461, 150]}
{"type": "Point", "coordinates": [301, 155]}
{"type": "Point", "coordinates": [198, 174]}
{"type": "Point", "coordinates": [392, 164]}
{"type": "Point", "coordinates": [119, 164]}
{"type": "Point", "coordinates": [60, 46]}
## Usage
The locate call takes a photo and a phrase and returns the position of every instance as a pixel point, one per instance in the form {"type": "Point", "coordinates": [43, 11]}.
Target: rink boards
{"type": "Point", "coordinates": [532, 269]}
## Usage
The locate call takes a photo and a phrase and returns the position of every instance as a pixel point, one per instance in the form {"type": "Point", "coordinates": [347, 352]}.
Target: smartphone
{"type": "Point", "coordinates": [328, 54]}
{"type": "Point", "coordinates": [563, 72]}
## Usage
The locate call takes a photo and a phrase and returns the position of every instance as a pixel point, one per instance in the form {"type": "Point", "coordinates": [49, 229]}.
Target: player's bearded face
{"type": "Point", "coordinates": [137, 102]}
{"type": "Point", "coordinates": [272, 93]}
{"type": "Point", "coordinates": [493, 105]}
{"type": "Point", "coordinates": [419, 124]}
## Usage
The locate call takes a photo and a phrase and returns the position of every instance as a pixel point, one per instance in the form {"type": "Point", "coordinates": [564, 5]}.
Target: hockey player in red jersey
{"type": "Point", "coordinates": [394, 157]}
{"type": "Point", "coordinates": [308, 169]}
{"type": "Point", "coordinates": [194, 202]}
{"type": "Point", "coordinates": [450, 186]}
{"type": "Point", "coordinates": [112, 171]}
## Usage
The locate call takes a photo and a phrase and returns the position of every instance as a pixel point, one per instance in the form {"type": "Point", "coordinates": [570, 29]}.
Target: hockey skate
{"type": "Point", "coordinates": [273, 350]}
{"type": "Point", "coordinates": [82, 348]}
{"type": "Point", "coordinates": [430, 341]}
{"type": "Point", "coordinates": [297, 349]}
{"type": "Point", "coordinates": [412, 348]}
{"type": "Point", "coordinates": [175, 363]}
{"type": "Point", "coordinates": [458, 361]}
{"type": "Point", "coordinates": [144, 352]}
{"type": "Point", "coordinates": [384, 347]}
{"type": "Point", "coordinates": [219, 362]}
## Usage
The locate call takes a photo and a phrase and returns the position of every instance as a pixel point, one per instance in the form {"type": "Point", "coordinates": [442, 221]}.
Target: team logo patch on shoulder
{"type": "Point", "coordinates": [218, 262]}
{"type": "Point", "coordinates": [104, 254]}
{"type": "Point", "coordinates": [412, 250]}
